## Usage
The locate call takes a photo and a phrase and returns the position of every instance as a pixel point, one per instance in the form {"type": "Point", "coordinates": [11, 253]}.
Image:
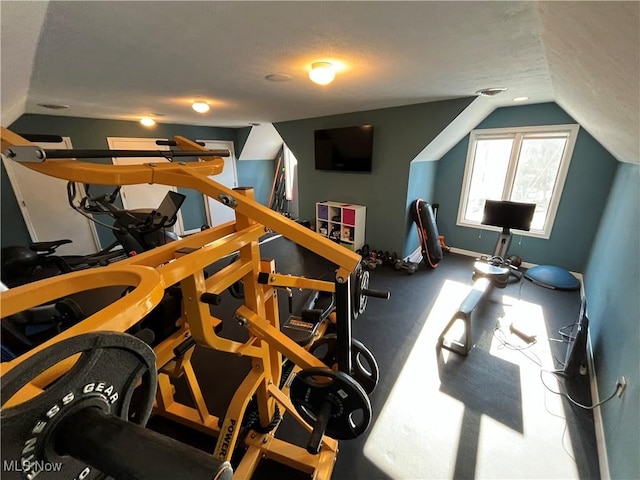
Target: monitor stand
{"type": "Point", "coordinates": [504, 242]}
{"type": "Point", "coordinates": [496, 269]}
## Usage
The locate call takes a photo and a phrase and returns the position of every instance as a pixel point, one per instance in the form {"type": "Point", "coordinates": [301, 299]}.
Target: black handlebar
{"type": "Point", "coordinates": [375, 293]}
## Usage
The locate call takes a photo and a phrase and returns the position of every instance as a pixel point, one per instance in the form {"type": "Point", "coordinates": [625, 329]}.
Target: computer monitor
{"type": "Point", "coordinates": [576, 359]}
{"type": "Point", "coordinates": [506, 214]}
{"type": "Point", "coordinates": [169, 207]}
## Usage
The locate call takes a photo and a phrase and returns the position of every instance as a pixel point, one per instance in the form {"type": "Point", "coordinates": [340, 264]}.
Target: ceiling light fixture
{"type": "Point", "coordinates": [53, 106]}
{"type": "Point", "coordinates": [147, 121]}
{"type": "Point", "coordinates": [278, 77]}
{"type": "Point", "coordinates": [520, 99]}
{"type": "Point", "coordinates": [490, 92]}
{"type": "Point", "coordinates": [200, 106]}
{"type": "Point", "coordinates": [322, 73]}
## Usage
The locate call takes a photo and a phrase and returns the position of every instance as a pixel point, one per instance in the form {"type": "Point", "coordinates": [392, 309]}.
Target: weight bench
{"type": "Point", "coordinates": [317, 307]}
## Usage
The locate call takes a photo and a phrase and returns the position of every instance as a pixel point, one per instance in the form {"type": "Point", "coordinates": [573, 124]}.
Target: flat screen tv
{"type": "Point", "coordinates": [505, 214]}
{"type": "Point", "coordinates": [347, 149]}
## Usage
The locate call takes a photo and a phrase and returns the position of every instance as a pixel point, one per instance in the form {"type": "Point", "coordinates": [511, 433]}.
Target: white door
{"type": "Point", "coordinates": [144, 195]}
{"type": "Point", "coordinates": [45, 208]}
{"type": "Point", "coordinates": [217, 212]}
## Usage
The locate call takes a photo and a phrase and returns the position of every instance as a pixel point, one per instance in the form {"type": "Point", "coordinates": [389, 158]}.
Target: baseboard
{"type": "Point", "coordinates": [601, 444]}
{"type": "Point", "coordinates": [470, 253]}
{"type": "Point", "coordinates": [415, 256]}
{"type": "Point", "coordinates": [598, 424]}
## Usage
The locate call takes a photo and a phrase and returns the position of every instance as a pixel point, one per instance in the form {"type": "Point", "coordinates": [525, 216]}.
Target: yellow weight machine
{"type": "Point", "coordinates": [182, 263]}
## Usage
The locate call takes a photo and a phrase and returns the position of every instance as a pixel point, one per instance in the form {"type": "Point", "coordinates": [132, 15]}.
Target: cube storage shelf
{"type": "Point", "coordinates": [343, 223]}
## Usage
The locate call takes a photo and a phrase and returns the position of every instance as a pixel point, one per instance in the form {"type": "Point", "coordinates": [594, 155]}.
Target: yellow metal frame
{"type": "Point", "coordinates": [182, 263]}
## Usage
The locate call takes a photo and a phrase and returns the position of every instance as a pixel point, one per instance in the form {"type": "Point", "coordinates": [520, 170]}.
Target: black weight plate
{"type": "Point", "coordinates": [350, 406]}
{"type": "Point", "coordinates": [105, 375]}
{"type": "Point", "coordinates": [359, 282]}
{"type": "Point", "coordinates": [364, 365]}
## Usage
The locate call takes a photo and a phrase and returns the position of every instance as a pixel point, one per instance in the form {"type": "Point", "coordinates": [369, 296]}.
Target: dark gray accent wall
{"type": "Point", "coordinates": [241, 139]}
{"type": "Point", "coordinates": [585, 194]}
{"type": "Point", "coordinates": [400, 133]}
{"type": "Point", "coordinates": [89, 133]}
{"type": "Point", "coordinates": [422, 177]}
{"type": "Point", "coordinates": [611, 281]}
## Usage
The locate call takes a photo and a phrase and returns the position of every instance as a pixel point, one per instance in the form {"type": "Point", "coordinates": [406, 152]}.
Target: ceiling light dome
{"type": "Point", "coordinates": [147, 121]}
{"type": "Point", "coordinates": [200, 106]}
{"type": "Point", "coordinates": [322, 73]}
{"type": "Point", "coordinates": [491, 92]}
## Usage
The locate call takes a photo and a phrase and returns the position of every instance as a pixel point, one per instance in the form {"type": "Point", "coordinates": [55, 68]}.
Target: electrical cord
{"type": "Point", "coordinates": [501, 337]}
{"type": "Point", "coordinates": [568, 397]}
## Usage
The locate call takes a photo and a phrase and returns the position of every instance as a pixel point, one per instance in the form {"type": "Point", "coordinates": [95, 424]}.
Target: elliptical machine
{"type": "Point", "coordinates": [135, 231]}
{"type": "Point", "coordinates": [138, 230]}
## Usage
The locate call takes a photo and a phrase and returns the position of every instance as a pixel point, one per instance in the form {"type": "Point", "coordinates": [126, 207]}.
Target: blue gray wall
{"type": "Point", "coordinates": [611, 280]}
{"type": "Point", "coordinates": [87, 133]}
{"type": "Point", "coordinates": [258, 174]}
{"type": "Point", "coordinates": [399, 134]}
{"type": "Point", "coordinates": [422, 176]}
{"type": "Point", "coordinates": [585, 194]}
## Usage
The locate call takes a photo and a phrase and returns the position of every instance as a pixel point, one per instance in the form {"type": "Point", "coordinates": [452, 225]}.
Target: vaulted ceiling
{"type": "Point", "coordinates": [123, 60]}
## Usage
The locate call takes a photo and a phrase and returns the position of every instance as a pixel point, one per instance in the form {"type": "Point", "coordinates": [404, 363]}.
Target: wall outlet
{"type": "Point", "coordinates": [621, 386]}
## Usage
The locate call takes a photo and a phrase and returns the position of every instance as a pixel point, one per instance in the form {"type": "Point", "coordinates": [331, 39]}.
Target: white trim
{"type": "Point", "coordinates": [415, 256]}
{"type": "Point", "coordinates": [470, 253]}
{"type": "Point", "coordinates": [518, 134]}
{"type": "Point", "coordinates": [598, 424]}
{"type": "Point", "coordinates": [232, 156]}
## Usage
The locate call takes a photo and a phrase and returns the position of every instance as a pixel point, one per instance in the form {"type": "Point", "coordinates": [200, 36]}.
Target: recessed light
{"type": "Point", "coordinates": [278, 77]}
{"type": "Point", "coordinates": [254, 124]}
{"type": "Point", "coordinates": [490, 92]}
{"type": "Point", "coordinates": [147, 121]}
{"type": "Point", "coordinates": [520, 99]}
{"type": "Point", "coordinates": [53, 106]}
{"type": "Point", "coordinates": [322, 73]}
{"type": "Point", "coordinates": [200, 106]}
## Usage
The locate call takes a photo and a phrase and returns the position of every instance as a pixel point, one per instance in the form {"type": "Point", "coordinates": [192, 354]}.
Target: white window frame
{"type": "Point", "coordinates": [518, 133]}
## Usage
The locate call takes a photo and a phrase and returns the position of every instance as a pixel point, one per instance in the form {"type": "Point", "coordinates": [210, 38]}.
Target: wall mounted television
{"type": "Point", "coordinates": [346, 149]}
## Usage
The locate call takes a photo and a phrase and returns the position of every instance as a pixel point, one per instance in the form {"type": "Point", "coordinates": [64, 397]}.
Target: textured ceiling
{"type": "Point", "coordinates": [122, 60]}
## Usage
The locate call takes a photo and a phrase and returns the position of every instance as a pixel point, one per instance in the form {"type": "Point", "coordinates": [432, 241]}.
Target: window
{"type": "Point", "coordinates": [290, 166]}
{"type": "Point", "coordinates": [525, 165]}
